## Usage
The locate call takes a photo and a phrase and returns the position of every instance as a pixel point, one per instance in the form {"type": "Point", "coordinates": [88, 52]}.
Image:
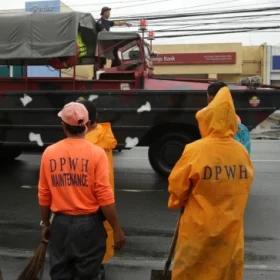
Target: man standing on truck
{"type": "Point", "coordinates": [211, 183]}
{"type": "Point", "coordinates": [74, 185]}
{"type": "Point", "coordinates": [104, 23]}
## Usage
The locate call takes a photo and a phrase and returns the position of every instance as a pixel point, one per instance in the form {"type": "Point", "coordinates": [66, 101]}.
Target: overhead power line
{"type": "Point", "coordinates": [199, 14]}
{"type": "Point", "coordinates": [210, 29]}
{"type": "Point", "coordinates": [219, 32]}
{"type": "Point", "coordinates": [218, 4]}
{"type": "Point", "coordinates": [236, 21]}
{"type": "Point", "coordinates": [211, 19]}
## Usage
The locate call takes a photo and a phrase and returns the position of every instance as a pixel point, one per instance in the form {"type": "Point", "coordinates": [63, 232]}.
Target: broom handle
{"type": "Point", "coordinates": [41, 275]}
{"type": "Point", "coordinates": [173, 245]}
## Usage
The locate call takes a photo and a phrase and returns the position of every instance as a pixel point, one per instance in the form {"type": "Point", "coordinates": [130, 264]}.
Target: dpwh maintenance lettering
{"type": "Point", "coordinates": [69, 172]}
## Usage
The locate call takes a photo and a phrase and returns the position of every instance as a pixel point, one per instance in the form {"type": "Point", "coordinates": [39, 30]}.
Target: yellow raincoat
{"type": "Point", "coordinates": [212, 182]}
{"type": "Point", "coordinates": [103, 137]}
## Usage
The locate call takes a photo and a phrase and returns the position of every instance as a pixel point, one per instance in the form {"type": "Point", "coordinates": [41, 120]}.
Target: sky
{"type": "Point", "coordinates": [140, 8]}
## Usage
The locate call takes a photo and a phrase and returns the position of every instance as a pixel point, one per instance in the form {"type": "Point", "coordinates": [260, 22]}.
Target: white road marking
{"type": "Point", "coordinates": [254, 160]}
{"type": "Point", "coordinates": [145, 108]}
{"type": "Point", "coordinates": [26, 187]}
{"type": "Point", "coordinates": [266, 160]}
{"type": "Point", "coordinates": [262, 267]}
{"type": "Point", "coordinates": [139, 190]}
{"type": "Point", "coordinates": [135, 262]}
{"type": "Point", "coordinates": [159, 264]}
{"type": "Point", "coordinates": [36, 137]}
{"type": "Point", "coordinates": [25, 100]}
{"type": "Point", "coordinates": [131, 142]}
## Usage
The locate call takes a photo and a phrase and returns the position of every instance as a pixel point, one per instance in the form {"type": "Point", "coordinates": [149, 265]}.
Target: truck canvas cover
{"type": "Point", "coordinates": [34, 38]}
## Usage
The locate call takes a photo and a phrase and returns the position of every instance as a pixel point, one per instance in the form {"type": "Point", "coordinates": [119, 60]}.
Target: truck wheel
{"type": "Point", "coordinates": [9, 154]}
{"type": "Point", "coordinates": [165, 151]}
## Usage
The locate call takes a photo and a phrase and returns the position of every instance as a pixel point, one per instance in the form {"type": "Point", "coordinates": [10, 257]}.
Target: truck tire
{"type": "Point", "coordinates": [165, 151]}
{"type": "Point", "coordinates": [9, 154]}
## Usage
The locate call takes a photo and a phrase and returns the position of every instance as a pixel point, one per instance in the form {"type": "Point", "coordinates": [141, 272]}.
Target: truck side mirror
{"type": "Point", "coordinates": [134, 55]}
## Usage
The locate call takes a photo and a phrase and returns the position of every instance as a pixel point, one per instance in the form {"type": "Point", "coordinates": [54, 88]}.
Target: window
{"type": "Point", "coordinates": [132, 53]}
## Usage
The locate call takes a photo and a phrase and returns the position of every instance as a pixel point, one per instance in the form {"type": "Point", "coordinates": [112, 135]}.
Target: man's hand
{"type": "Point", "coordinates": [119, 239]}
{"type": "Point", "coordinates": [45, 234]}
{"type": "Point", "coordinates": [45, 224]}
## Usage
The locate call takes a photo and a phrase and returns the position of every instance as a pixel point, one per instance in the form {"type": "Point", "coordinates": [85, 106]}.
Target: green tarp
{"type": "Point", "coordinates": [35, 38]}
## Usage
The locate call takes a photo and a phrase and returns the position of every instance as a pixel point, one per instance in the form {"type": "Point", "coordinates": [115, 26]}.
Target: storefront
{"type": "Point", "coordinates": [273, 65]}
{"type": "Point", "coordinates": [228, 62]}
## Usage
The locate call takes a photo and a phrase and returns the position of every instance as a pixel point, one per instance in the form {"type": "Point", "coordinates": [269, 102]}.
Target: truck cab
{"type": "Point", "coordinates": [129, 56]}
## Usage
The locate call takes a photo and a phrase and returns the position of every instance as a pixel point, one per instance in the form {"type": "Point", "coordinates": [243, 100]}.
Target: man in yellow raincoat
{"type": "Point", "coordinates": [101, 135]}
{"type": "Point", "coordinates": [211, 182]}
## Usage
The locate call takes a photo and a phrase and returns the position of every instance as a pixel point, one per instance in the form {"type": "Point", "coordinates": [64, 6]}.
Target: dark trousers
{"type": "Point", "coordinates": [77, 246]}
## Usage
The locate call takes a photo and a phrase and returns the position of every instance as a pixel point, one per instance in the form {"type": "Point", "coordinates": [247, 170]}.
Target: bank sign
{"type": "Point", "coordinates": [52, 6]}
{"type": "Point", "coordinates": [195, 58]}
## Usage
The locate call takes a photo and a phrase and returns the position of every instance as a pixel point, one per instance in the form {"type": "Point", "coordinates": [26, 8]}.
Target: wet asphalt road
{"type": "Point", "coordinates": [141, 198]}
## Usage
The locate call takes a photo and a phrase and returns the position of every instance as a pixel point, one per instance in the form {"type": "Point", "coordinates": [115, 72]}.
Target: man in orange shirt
{"type": "Point", "coordinates": [74, 185]}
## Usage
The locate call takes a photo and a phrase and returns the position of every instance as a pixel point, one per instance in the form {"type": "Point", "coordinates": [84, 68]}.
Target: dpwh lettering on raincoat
{"type": "Point", "coordinates": [212, 182]}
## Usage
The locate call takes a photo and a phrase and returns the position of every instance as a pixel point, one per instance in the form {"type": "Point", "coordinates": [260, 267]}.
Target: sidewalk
{"type": "Point", "coordinates": [13, 261]}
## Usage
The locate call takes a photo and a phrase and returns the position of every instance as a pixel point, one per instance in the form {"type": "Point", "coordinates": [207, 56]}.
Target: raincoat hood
{"type": "Point", "coordinates": [218, 119]}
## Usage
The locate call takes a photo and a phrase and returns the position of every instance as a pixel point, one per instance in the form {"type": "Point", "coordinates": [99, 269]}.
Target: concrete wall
{"type": "Point", "coordinates": [252, 60]}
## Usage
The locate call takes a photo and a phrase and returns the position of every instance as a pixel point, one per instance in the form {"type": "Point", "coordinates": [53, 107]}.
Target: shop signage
{"type": "Point", "coordinates": [195, 58]}
{"type": "Point", "coordinates": [43, 6]}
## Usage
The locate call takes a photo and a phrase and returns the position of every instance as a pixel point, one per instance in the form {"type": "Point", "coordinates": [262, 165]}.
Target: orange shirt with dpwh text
{"type": "Point", "coordinates": [74, 178]}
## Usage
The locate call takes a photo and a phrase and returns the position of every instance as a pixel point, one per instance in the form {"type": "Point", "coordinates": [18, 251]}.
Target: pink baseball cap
{"type": "Point", "coordinates": [74, 114]}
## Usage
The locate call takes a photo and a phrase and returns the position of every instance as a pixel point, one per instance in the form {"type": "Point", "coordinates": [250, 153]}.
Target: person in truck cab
{"type": "Point", "coordinates": [104, 23]}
